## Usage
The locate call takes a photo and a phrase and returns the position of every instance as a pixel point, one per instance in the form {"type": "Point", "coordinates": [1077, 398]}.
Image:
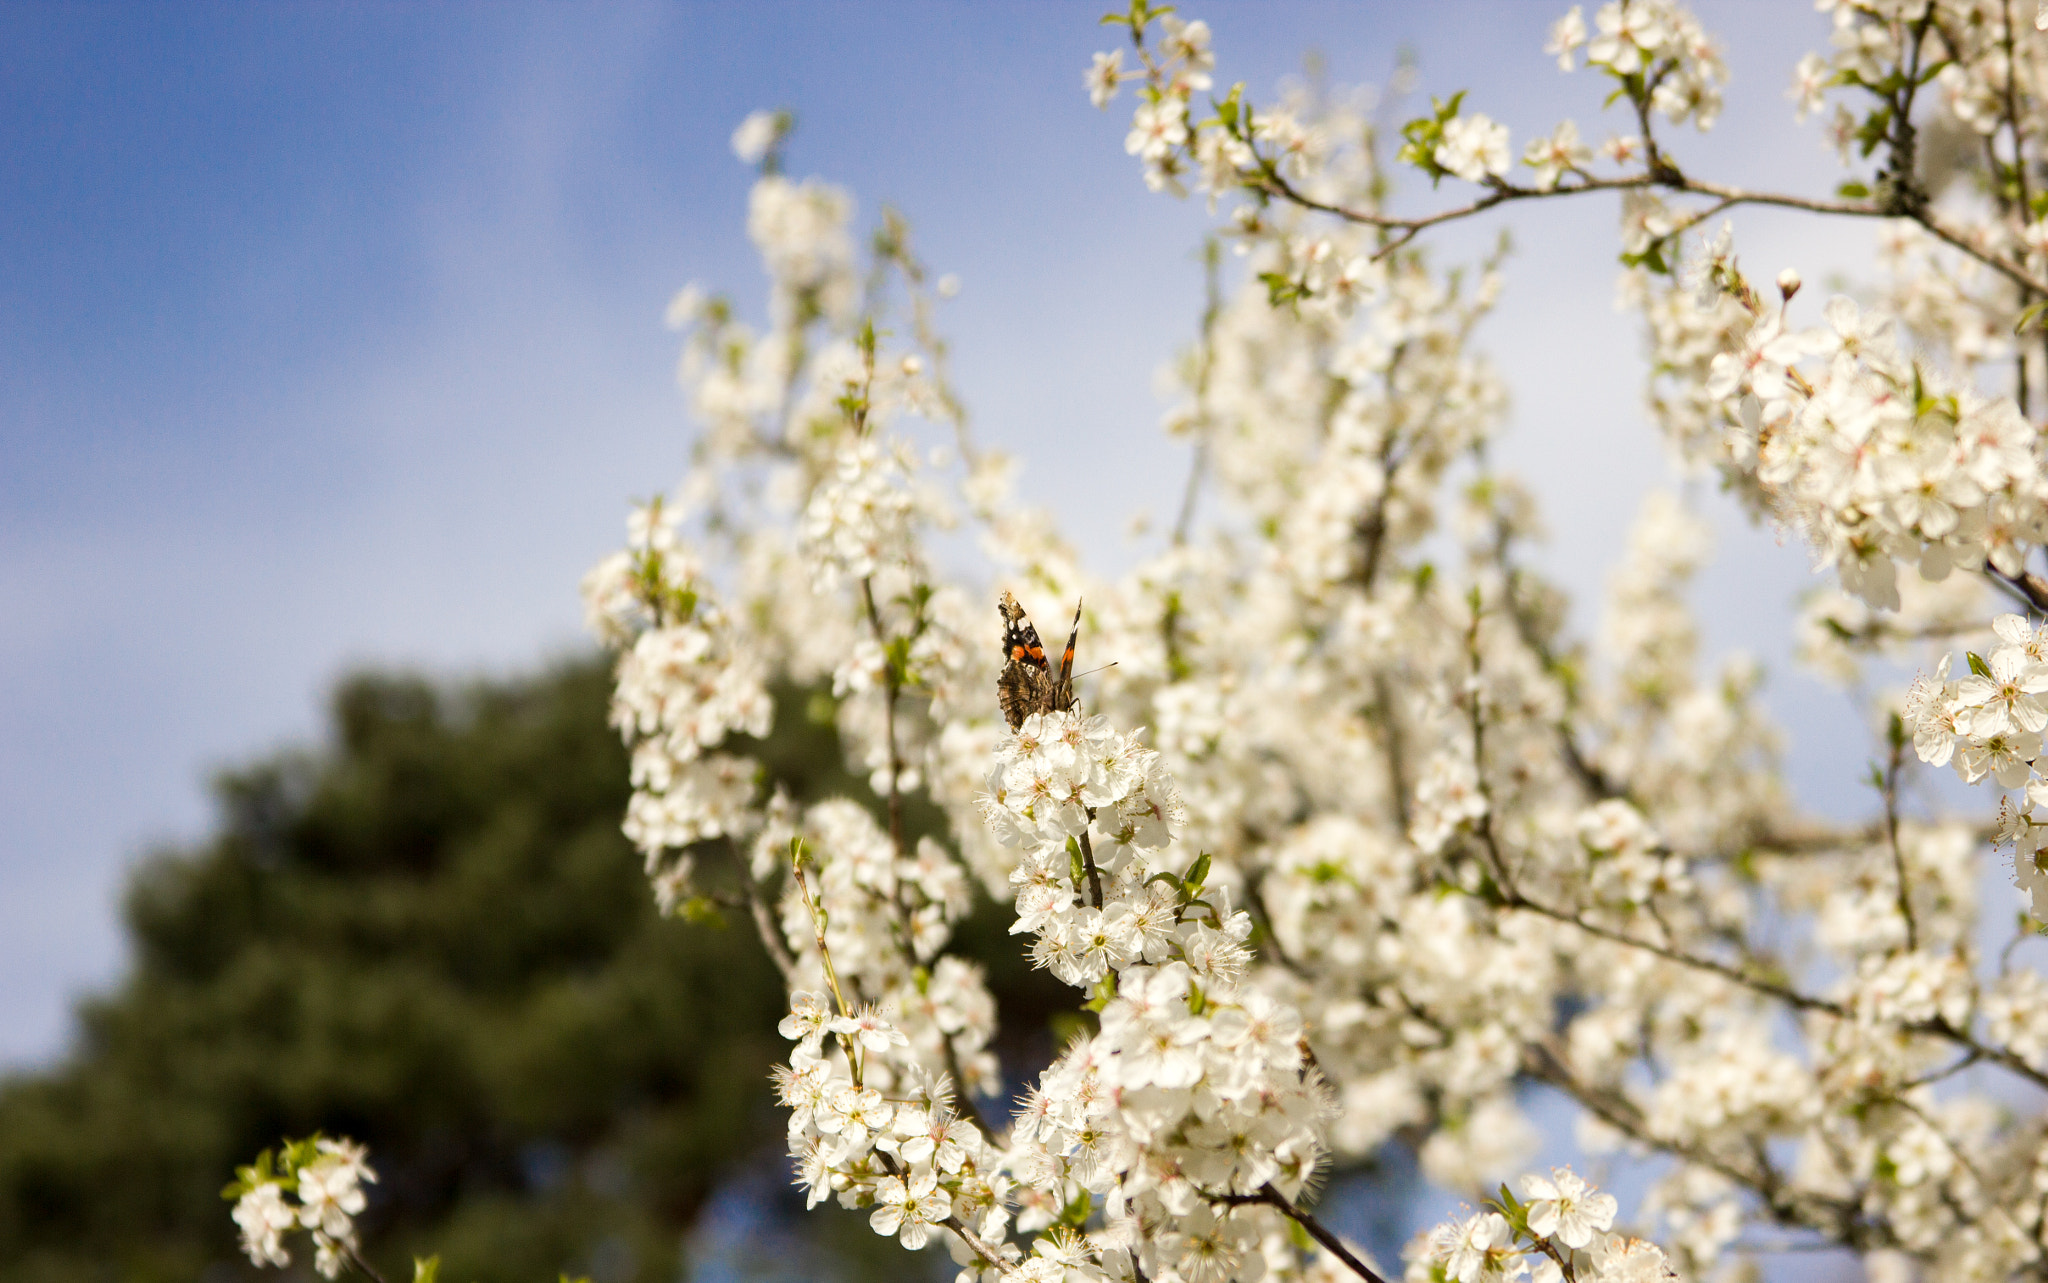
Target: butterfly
{"type": "Point", "coordinates": [1027, 685]}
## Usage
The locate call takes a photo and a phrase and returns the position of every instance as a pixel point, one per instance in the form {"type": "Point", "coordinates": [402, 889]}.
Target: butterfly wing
{"type": "Point", "coordinates": [1063, 689]}
{"type": "Point", "coordinates": [1022, 690]}
{"type": "Point", "coordinates": [1025, 685]}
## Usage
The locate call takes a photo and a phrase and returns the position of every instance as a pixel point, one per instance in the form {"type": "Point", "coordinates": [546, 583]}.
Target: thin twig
{"type": "Point", "coordinates": [975, 1245]}
{"type": "Point", "coordinates": [1271, 181]}
{"type": "Point", "coordinates": [1273, 1198]}
{"type": "Point", "coordinates": [1891, 832]}
{"type": "Point", "coordinates": [892, 687]}
{"type": "Point", "coordinates": [1088, 864]}
{"type": "Point", "coordinates": [356, 1259]}
{"type": "Point", "coordinates": [1836, 1217]}
{"type": "Point", "coordinates": [771, 935]}
{"type": "Point", "coordinates": [846, 1044]}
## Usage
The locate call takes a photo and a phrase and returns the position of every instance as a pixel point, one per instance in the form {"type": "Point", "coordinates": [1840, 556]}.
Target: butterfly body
{"type": "Point", "coordinates": [1027, 684]}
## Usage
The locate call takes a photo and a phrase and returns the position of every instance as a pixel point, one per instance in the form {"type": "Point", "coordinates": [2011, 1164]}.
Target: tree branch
{"type": "Point", "coordinates": [1273, 1198]}
{"type": "Point", "coordinates": [1270, 181]}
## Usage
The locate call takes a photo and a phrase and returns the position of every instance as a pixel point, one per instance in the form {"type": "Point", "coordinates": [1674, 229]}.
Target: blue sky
{"type": "Point", "coordinates": [333, 336]}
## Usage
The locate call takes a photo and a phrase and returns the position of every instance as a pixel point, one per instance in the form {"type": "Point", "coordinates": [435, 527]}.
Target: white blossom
{"type": "Point", "coordinates": [1474, 148]}
{"type": "Point", "coordinates": [264, 1217]}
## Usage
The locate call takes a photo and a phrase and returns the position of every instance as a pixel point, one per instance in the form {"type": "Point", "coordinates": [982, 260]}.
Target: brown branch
{"type": "Point", "coordinates": [1769, 988]}
{"type": "Point", "coordinates": [1270, 181]}
{"type": "Point", "coordinates": [771, 935]}
{"type": "Point", "coordinates": [1891, 831]}
{"type": "Point", "coordinates": [2029, 587]}
{"type": "Point", "coordinates": [1936, 1028]}
{"type": "Point", "coordinates": [976, 1246]}
{"type": "Point", "coordinates": [1088, 864]}
{"type": "Point", "coordinates": [1273, 1198]}
{"type": "Point", "coordinates": [1834, 1217]}
{"type": "Point", "coordinates": [1807, 837]}
{"type": "Point", "coordinates": [892, 686]}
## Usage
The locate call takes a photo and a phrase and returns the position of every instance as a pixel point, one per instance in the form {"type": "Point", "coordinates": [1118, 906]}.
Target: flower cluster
{"type": "Point", "coordinates": [1194, 1097]}
{"type": "Point", "coordinates": [1556, 1231]}
{"type": "Point", "coordinates": [875, 923]}
{"type": "Point", "coordinates": [1653, 46]}
{"type": "Point", "coordinates": [861, 519]}
{"type": "Point", "coordinates": [315, 1185]}
{"type": "Point", "coordinates": [906, 1155]}
{"type": "Point", "coordinates": [1990, 723]}
{"type": "Point", "coordinates": [1878, 458]}
{"type": "Point", "coordinates": [684, 684]}
{"type": "Point", "coordinates": [1175, 70]}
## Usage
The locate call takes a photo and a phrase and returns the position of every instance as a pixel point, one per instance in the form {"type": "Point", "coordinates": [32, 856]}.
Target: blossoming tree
{"type": "Point", "coordinates": [1353, 839]}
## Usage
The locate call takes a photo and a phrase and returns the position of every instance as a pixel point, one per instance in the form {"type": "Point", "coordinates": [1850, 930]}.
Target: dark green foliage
{"type": "Point", "coordinates": [432, 938]}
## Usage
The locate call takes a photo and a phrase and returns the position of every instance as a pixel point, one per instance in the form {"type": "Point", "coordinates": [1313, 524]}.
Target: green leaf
{"type": "Point", "coordinates": [297, 1153]}
{"type": "Point", "coordinates": [1853, 190]}
{"type": "Point", "coordinates": [1198, 872]}
{"type": "Point", "coordinates": [898, 655]}
{"type": "Point", "coordinates": [1652, 258]}
{"type": "Point", "coordinates": [1076, 1213]}
{"type": "Point", "coordinates": [1101, 995]}
{"type": "Point", "coordinates": [1282, 288]}
{"type": "Point", "coordinates": [1227, 109]}
{"type": "Point", "coordinates": [702, 911]}
{"type": "Point", "coordinates": [247, 1178]}
{"type": "Point", "coordinates": [426, 1269]}
{"type": "Point", "coordinates": [1977, 664]}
